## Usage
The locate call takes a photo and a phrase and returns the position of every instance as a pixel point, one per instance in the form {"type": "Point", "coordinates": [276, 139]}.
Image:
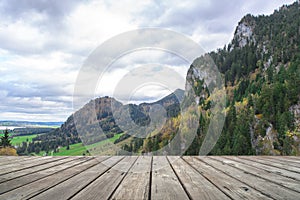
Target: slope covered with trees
{"type": "Point", "coordinates": [103, 126]}
{"type": "Point", "coordinates": [261, 68]}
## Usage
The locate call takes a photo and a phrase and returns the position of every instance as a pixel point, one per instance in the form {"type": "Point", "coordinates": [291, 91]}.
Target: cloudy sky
{"type": "Point", "coordinates": [44, 43]}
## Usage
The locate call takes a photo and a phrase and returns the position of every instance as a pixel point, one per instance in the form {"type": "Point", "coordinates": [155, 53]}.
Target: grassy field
{"type": "Point", "coordinates": [17, 140]}
{"type": "Point", "coordinates": [79, 149]}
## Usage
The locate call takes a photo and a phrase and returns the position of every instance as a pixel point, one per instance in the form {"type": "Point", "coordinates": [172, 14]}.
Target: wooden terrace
{"type": "Point", "coordinates": [150, 177]}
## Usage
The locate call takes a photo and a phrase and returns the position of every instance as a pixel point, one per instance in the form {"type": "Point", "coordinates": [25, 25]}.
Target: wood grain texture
{"type": "Point", "coordinates": [41, 185]}
{"type": "Point", "coordinates": [104, 186]}
{"type": "Point", "coordinates": [136, 183]}
{"type": "Point", "coordinates": [72, 186]}
{"type": "Point", "coordinates": [18, 182]}
{"type": "Point", "coordinates": [266, 187]}
{"type": "Point", "coordinates": [147, 177]}
{"type": "Point", "coordinates": [196, 185]}
{"type": "Point", "coordinates": [234, 188]}
{"type": "Point", "coordinates": [165, 184]}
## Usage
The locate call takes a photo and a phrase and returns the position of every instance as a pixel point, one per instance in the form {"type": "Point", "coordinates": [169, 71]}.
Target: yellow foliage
{"type": "Point", "coordinates": [292, 133]}
{"type": "Point", "coordinates": [259, 116]}
{"type": "Point", "coordinates": [245, 102]}
{"type": "Point", "coordinates": [289, 133]}
{"type": "Point", "coordinates": [227, 109]}
{"type": "Point", "coordinates": [238, 105]}
{"type": "Point", "coordinates": [8, 151]}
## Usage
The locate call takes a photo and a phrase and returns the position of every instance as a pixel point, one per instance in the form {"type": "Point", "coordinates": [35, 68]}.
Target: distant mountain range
{"type": "Point", "coordinates": [106, 109]}
{"type": "Point", "coordinates": [28, 123]}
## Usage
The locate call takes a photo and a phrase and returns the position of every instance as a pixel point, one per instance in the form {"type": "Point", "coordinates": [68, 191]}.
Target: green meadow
{"type": "Point", "coordinates": [18, 140]}
{"type": "Point", "coordinates": [79, 149]}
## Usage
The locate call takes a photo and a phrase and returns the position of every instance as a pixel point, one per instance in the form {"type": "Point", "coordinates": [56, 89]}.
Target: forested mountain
{"type": "Point", "coordinates": [103, 125]}
{"type": "Point", "coordinates": [261, 71]}
{"type": "Point", "coordinates": [261, 67]}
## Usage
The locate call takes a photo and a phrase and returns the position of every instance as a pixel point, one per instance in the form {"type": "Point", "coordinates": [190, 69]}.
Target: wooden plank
{"type": "Point", "coordinates": [139, 176]}
{"type": "Point", "coordinates": [5, 160]}
{"type": "Point", "coordinates": [284, 163]}
{"type": "Point", "coordinates": [243, 177]}
{"type": "Point", "coordinates": [105, 185]}
{"type": "Point", "coordinates": [266, 187]}
{"type": "Point", "coordinates": [34, 169]}
{"type": "Point", "coordinates": [196, 185]}
{"type": "Point", "coordinates": [72, 186]}
{"type": "Point", "coordinates": [272, 177]}
{"type": "Point", "coordinates": [232, 187]}
{"type": "Point", "coordinates": [16, 161]}
{"type": "Point", "coordinates": [26, 160]}
{"type": "Point", "coordinates": [294, 157]}
{"type": "Point", "coordinates": [28, 164]}
{"type": "Point", "coordinates": [286, 159]}
{"type": "Point", "coordinates": [271, 163]}
{"type": "Point", "coordinates": [18, 182]}
{"type": "Point", "coordinates": [270, 169]}
{"type": "Point", "coordinates": [165, 184]}
{"type": "Point", "coordinates": [43, 184]}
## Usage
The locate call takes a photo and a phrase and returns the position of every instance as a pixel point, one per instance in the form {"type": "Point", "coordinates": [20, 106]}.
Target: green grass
{"type": "Point", "coordinates": [78, 149]}
{"type": "Point", "coordinates": [17, 140]}
{"type": "Point", "coordinates": [75, 150]}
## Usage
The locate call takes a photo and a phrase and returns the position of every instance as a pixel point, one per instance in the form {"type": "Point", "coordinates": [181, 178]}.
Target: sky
{"type": "Point", "coordinates": [44, 44]}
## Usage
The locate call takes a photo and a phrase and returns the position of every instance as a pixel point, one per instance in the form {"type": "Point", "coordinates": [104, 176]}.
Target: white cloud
{"type": "Point", "coordinates": [43, 45]}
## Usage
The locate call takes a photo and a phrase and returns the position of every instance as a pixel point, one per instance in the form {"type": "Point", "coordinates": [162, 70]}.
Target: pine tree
{"type": "Point", "coordinates": [5, 141]}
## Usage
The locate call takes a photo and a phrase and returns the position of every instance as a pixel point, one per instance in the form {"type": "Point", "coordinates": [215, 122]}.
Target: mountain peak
{"type": "Point", "coordinates": [244, 32]}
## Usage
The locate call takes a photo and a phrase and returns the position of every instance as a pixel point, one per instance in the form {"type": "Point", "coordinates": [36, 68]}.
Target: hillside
{"type": "Point", "coordinates": [261, 68]}
{"type": "Point", "coordinates": [103, 125]}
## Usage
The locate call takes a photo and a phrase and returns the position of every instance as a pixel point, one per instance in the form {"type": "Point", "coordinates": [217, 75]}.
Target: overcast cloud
{"type": "Point", "coordinates": [43, 45]}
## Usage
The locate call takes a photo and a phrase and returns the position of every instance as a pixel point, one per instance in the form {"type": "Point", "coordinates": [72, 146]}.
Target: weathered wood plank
{"type": "Point", "coordinates": [268, 168]}
{"type": "Point", "coordinates": [72, 186]}
{"type": "Point", "coordinates": [197, 186]}
{"type": "Point", "coordinates": [105, 185]}
{"type": "Point", "coordinates": [266, 187]}
{"type": "Point", "coordinates": [37, 187]}
{"type": "Point", "coordinates": [28, 164]}
{"type": "Point", "coordinates": [18, 182]}
{"type": "Point", "coordinates": [165, 184]}
{"type": "Point", "coordinates": [5, 160]}
{"type": "Point", "coordinates": [136, 184]}
{"type": "Point", "coordinates": [283, 163]}
{"type": "Point", "coordinates": [286, 159]}
{"type": "Point", "coordinates": [271, 163]}
{"type": "Point", "coordinates": [275, 178]}
{"type": "Point", "coordinates": [34, 169]}
{"type": "Point", "coordinates": [243, 177]}
{"type": "Point", "coordinates": [294, 157]}
{"type": "Point", "coordinates": [233, 187]}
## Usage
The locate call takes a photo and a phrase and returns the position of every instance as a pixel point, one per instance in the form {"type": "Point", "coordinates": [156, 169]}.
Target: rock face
{"type": "Point", "coordinates": [264, 145]}
{"type": "Point", "coordinates": [295, 109]}
{"type": "Point", "coordinates": [243, 34]}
